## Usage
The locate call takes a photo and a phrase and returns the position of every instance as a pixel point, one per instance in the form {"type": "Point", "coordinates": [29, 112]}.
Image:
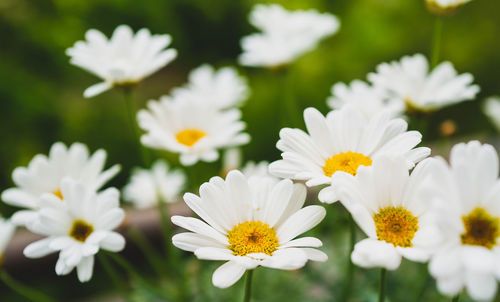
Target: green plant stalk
{"type": "Point", "coordinates": [167, 236]}
{"type": "Point", "coordinates": [114, 276]}
{"type": "Point", "coordinates": [152, 256]}
{"type": "Point", "coordinates": [131, 112]}
{"type": "Point", "coordinates": [248, 286]}
{"type": "Point", "coordinates": [350, 268]}
{"type": "Point", "coordinates": [381, 293]}
{"type": "Point", "coordinates": [456, 298]}
{"type": "Point", "coordinates": [436, 41]}
{"type": "Point", "coordinates": [22, 289]}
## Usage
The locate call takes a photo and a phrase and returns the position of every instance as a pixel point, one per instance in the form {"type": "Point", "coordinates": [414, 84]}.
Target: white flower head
{"type": "Point", "coordinates": [367, 99]}
{"type": "Point", "coordinates": [409, 81]}
{"type": "Point", "coordinates": [342, 141]}
{"type": "Point", "coordinates": [77, 228]}
{"type": "Point", "coordinates": [444, 7]}
{"type": "Point", "coordinates": [249, 224]}
{"type": "Point", "coordinates": [388, 205]}
{"type": "Point", "coordinates": [192, 128]}
{"type": "Point", "coordinates": [468, 194]}
{"type": "Point", "coordinates": [124, 59]}
{"type": "Point", "coordinates": [7, 229]}
{"type": "Point", "coordinates": [45, 173]}
{"type": "Point", "coordinates": [492, 110]}
{"type": "Point", "coordinates": [285, 35]}
{"type": "Point", "coordinates": [222, 88]}
{"type": "Point", "coordinates": [147, 187]}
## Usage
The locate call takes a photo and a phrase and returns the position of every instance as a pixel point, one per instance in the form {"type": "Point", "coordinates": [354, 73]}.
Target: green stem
{"type": "Point", "coordinates": [22, 289]}
{"type": "Point", "coordinates": [287, 107]}
{"type": "Point", "coordinates": [166, 232]}
{"type": "Point", "coordinates": [113, 275]}
{"type": "Point", "coordinates": [248, 286]}
{"type": "Point", "coordinates": [350, 268]}
{"type": "Point", "coordinates": [131, 112]}
{"type": "Point", "coordinates": [381, 294]}
{"type": "Point", "coordinates": [456, 298]}
{"type": "Point", "coordinates": [152, 256]}
{"type": "Point", "coordinates": [436, 41]}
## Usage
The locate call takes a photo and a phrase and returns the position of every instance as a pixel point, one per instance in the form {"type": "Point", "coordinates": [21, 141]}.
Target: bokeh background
{"type": "Point", "coordinates": [41, 102]}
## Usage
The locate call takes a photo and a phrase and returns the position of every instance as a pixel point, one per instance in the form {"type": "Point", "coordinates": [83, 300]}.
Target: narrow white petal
{"type": "Point", "coordinates": [227, 274]}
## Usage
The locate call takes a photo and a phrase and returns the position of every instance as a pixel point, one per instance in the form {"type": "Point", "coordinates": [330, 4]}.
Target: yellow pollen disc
{"type": "Point", "coordinates": [347, 162]}
{"type": "Point", "coordinates": [189, 137]}
{"type": "Point", "coordinates": [81, 230]}
{"type": "Point", "coordinates": [480, 229]}
{"type": "Point", "coordinates": [396, 225]}
{"type": "Point", "coordinates": [58, 194]}
{"type": "Point", "coordinates": [252, 237]}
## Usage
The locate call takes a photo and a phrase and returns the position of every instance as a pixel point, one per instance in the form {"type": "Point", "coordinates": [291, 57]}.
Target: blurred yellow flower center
{"type": "Point", "coordinates": [347, 162]}
{"type": "Point", "coordinates": [252, 237]}
{"type": "Point", "coordinates": [480, 229]}
{"type": "Point", "coordinates": [396, 225]}
{"type": "Point", "coordinates": [58, 194]}
{"type": "Point", "coordinates": [189, 137]}
{"type": "Point", "coordinates": [81, 230]}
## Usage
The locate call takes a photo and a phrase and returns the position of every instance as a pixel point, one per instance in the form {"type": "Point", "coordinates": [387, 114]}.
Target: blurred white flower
{"type": "Point", "coordinates": [285, 35]}
{"type": "Point", "coordinates": [147, 187]}
{"type": "Point", "coordinates": [222, 88]}
{"type": "Point", "coordinates": [124, 59]}
{"type": "Point", "coordinates": [44, 175]}
{"type": "Point", "coordinates": [410, 82]}
{"type": "Point", "coordinates": [444, 7]}
{"type": "Point", "coordinates": [468, 195]}
{"type": "Point", "coordinates": [342, 141]}
{"type": "Point", "coordinates": [77, 228]}
{"type": "Point", "coordinates": [193, 128]}
{"type": "Point", "coordinates": [492, 110]}
{"type": "Point", "coordinates": [388, 205]}
{"type": "Point", "coordinates": [249, 224]}
{"type": "Point", "coordinates": [365, 98]}
{"type": "Point", "coordinates": [7, 229]}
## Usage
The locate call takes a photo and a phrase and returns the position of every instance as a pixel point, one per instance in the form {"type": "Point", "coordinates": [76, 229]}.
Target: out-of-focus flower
{"type": "Point", "coordinates": [410, 82]}
{"type": "Point", "coordinates": [125, 59]}
{"type": "Point", "coordinates": [444, 7]}
{"type": "Point", "coordinates": [285, 35]}
{"type": "Point", "coordinates": [222, 88]}
{"type": "Point", "coordinates": [192, 128]}
{"type": "Point", "coordinates": [7, 229]}
{"type": "Point", "coordinates": [147, 187]}
{"type": "Point", "coordinates": [365, 98]}
{"type": "Point", "coordinates": [249, 224]}
{"type": "Point", "coordinates": [467, 193]}
{"type": "Point", "coordinates": [44, 175]}
{"type": "Point", "coordinates": [77, 228]}
{"type": "Point", "coordinates": [492, 110]}
{"type": "Point", "coordinates": [342, 141]}
{"type": "Point", "coordinates": [388, 205]}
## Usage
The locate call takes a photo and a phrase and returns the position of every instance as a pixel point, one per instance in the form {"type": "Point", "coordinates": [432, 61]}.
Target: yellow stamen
{"type": "Point", "coordinates": [396, 225]}
{"type": "Point", "coordinates": [252, 237]}
{"type": "Point", "coordinates": [81, 230]}
{"type": "Point", "coordinates": [58, 194]}
{"type": "Point", "coordinates": [347, 162]}
{"type": "Point", "coordinates": [480, 229]}
{"type": "Point", "coordinates": [189, 137]}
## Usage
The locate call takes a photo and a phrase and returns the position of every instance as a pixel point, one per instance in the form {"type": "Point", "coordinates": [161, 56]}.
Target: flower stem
{"type": "Point", "coordinates": [381, 294]}
{"type": "Point", "coordinates": [22, 289]}
{"type": "Point", "coordinates": [131, 112]}
{"type": "Point", "coordinates": [248, 286]}
{"type": "Point", "coordinates": [456, 298]}
{"type": "Point", "coordinates": [350, 268]}
{"type": "Point", "coordinates": [113, 275]}
{"type": "Point", "coordinates": [436, 41]}
{"type": "Point", "coordinates": [152, 255]}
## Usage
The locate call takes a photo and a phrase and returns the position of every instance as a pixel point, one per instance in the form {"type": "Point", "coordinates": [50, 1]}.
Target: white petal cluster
{"type": "Point", "coordinates": [45, 173]}
{"type": "Point", "coordinates": [445, 6]}
{"type": "Point", "coordinates": [7, 229]}
{"type": "Point", "coordinates": [147, 187]}
{"type": "Point", "coordinates": [285, 35]}
{"type": "Point", "coordinates": [409, 81]}
{"type": "Point", "coordinates": [224, 204]}
{"type": "Point", "coordinates": [492, 110]}
{"type": "Point", "coordinates": [124, 59]}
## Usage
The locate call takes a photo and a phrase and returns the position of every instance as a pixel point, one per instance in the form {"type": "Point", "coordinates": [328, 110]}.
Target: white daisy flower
{"type": "Point", "coordinates": [192, 128]}
{"type": "Point", "coordinates": [147, 187]}
{"type": "Point", "coordinates": [45, 173]}
{"type": "Point", "coordinates": [7, 229]}
{"type": "Point", "coordinates": [492, 110]}
{"type": "Point", "coordinates": [77, 228]}
{"type": "Point", "coordinates": [410, 82]}
{"type": "Point", "coordinates": [124, 59]}
{"type": "Point", "coordinates": [365, 98]}
{"type": "Point", "coordinates": [444, 7]}
{"type": "Point", "coordinates": [391, 209]}
{"type": "Point", "coordinates": [342, 141]}
{"type": "Point", "coordinates": [222, 88]}
{"type": "Point", "coordinates": [468, 193]}
{"type": "Point", "coordinates": [285, 35]}
{"type": "Point", "coordinates": [249, 224]}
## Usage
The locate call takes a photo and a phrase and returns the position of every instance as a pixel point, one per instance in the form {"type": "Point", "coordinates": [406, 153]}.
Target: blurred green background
{"type": "Point", "coordinates": [42, 102]}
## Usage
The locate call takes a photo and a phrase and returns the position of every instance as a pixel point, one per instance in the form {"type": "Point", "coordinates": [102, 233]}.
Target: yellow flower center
{"type": "Point", "coordinates": [189, 137]}
{"type": "Point", "coordinates": [81, 230]}
{"type": "Point", "coordinates": [480, 229]}
{"type": "Point", "coordinates": [252, 237]}
{"type": "Point", "coordinates": [347, 162]}
{"type": "Point", "coordinates": [396, 225]}
{"type": "Point", "coordinates": [58, 194]}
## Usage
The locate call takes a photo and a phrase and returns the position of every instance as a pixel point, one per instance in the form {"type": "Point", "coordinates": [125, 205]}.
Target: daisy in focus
{"type": "Point", "coordinates": [344, 140]}
{"type": "Point", "coordinates": [468, 194]}
{"type": "Point", "coordinates": [147, 187]}
{"type": "Point", "coordinates": [77, 228]}
{"type": "Point", "coordinates": [7, 229]}
{"type": "Point", "coordinates": [491, 109]}
{"type": "Point", "coordinates": [285, 36]}
{"type": "Point", "coordinates": [248, 225]}
{"type": "Point", "coordinates": [193, 128]}
{"type": "Point", "coordinates": [389, 206]}
{"type": "Point", "coordinates": [123, 60]}
{"type": "Point", "coordinates": [45, 173]}
{"type": "Point", "coordinates": [410, 82]}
